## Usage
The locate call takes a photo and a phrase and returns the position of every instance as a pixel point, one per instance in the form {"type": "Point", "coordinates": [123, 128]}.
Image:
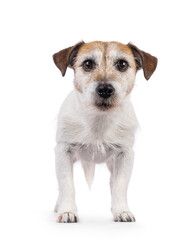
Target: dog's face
{"type": "Point", "coordinates": [104, 71]}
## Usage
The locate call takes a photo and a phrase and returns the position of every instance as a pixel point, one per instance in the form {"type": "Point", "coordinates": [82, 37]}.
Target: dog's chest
{"type": "Point", "coordinates": [96, 137]}
{"type": "Point", "coordinates": [97, 131]}
{"type": "Point", "coordinates": [96, 140]}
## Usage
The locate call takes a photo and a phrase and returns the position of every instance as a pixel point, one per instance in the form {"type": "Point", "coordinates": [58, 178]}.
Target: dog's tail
{"type": "Point", "coordinates": [89, 171]}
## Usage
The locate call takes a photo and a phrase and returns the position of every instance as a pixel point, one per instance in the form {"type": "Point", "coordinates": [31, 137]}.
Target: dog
{"type": "Point", "coordinates": [96, 122]}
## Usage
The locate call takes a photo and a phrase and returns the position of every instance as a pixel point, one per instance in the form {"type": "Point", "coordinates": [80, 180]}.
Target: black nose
{"type": "Point", "coordinates": [105, 90]}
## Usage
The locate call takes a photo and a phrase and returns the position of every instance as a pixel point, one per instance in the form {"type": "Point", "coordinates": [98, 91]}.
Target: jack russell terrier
{"type": "Point", "coordinates": [97, 122]}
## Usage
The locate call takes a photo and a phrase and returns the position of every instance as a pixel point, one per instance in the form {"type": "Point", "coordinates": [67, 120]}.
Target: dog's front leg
{"type": "Point", "coordinates": [65, 206]}
{"type": "Point", "coordinates": [120, 174]}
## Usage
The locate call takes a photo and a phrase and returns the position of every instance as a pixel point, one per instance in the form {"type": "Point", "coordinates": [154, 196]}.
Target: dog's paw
{"type": "Point", "coordinates": [67, 217]}
{"type": "Point", "coordinates": [124, 217]}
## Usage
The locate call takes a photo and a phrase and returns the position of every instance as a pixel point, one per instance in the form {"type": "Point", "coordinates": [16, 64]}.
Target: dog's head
{"type": "Point", "coordinates": [104, 71]}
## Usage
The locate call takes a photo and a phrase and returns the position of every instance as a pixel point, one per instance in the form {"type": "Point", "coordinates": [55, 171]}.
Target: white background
{"type": "Point", "coordinates": [32, 90]}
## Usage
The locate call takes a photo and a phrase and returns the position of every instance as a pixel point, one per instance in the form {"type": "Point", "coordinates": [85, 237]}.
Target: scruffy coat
{"type": "Point", "coordinates": [95, 130]}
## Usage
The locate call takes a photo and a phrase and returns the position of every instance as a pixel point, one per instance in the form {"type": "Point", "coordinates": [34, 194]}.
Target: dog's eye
{"type": "Point", "coordinates": [122, 65]}
{"type": "Point", "coordinates": [88, 65]}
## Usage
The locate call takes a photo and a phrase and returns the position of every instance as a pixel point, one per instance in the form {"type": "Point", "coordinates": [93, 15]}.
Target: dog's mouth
{"type": "Point", "coordinates": [105, 104]}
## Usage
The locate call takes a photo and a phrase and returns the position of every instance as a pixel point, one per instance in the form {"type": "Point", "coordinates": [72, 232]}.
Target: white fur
{"type": "Point", "coordinates": [97, 133]}
{"type": "Point", "coordinates": [93, 136]}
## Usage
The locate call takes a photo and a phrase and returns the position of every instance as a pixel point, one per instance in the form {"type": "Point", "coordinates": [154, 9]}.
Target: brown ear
{"type": "Point", "coordinates": [66, 57]}
{"type": "Point", "coordinates": [144, 60]}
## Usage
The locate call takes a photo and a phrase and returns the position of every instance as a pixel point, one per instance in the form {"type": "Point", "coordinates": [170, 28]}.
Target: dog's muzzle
{"type": "Point", "coordinates": [105, 90]}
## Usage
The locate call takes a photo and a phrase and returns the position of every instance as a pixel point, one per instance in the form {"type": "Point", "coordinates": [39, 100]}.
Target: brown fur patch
{"type": "Point", "coordinates": [88, 47]}
{"type": "Point", "coordinates": [59, 219]}
{"type": "Point", "coordinates": [122, 47]}
{"type": "Point", "coordinates": [65, 57]}
{"type": "Point", "coordinates": [144, 60]}
{"type": "Point", "coordinates": [102, 46]}
{"type": "Point", "coordinates": [97, 76]}
{"type": "Point", "coordinates": [102, 73]}
{"type": "Point", "coordinates": [129, 90]}
{"type": "Point", "coordinates": [77, 87]}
